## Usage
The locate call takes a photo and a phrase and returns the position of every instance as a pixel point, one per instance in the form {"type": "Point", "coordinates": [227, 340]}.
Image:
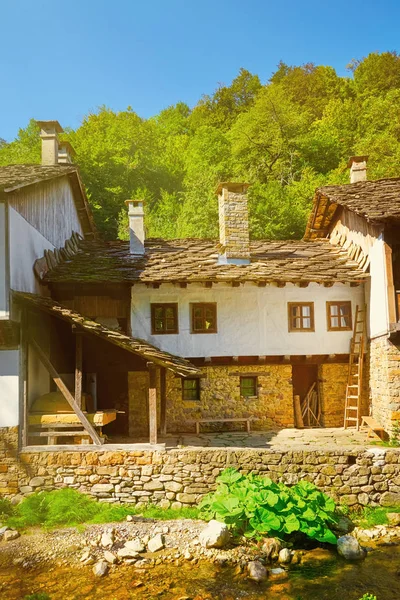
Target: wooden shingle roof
{"type": "Point", "coordinates": [196, 260]}
{"type": "Point", "coordinates": [376, 201]}
{"type": "Point", "coordinates": [135, 345]}
{"type": "Point", "coordinates": [13, 177]}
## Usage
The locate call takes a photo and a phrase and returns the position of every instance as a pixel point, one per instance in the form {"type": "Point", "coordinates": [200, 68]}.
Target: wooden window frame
{"type": "Point", "coordinates": [197, 388]}
{"type": "Point", "coordinates": [203, 305]}
{"type": "Point", "coordinates": [255, 379]}
{"type": "Point", "coordinates": [329, 316]}
{"type": "Point", "coordinates": [311, 317]}
{"type": "Point", "coordinates": [164, 305]}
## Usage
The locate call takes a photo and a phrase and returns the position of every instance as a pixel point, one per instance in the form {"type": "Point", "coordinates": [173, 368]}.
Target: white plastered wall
{"type": "Point", "coordinates": [9, 382]}
{"type": "Point", "coordinates": [252, 321]}
{"type": "Point", "coordinates": [3, 278]}
{"type": "Point", "coordinates": [377, 295]}
{"type": "Point", "coordinates": [26, 245]}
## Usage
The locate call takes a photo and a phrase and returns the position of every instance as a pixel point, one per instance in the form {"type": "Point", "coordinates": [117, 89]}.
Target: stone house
{"type": "Point", "coordinates": [177, 331]}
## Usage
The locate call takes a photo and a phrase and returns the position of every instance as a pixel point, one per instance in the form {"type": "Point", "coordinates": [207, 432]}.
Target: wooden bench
{"type": "Point", "coordinates": [373, 426]}
{"type": "Point", "coordinates": [66, 424]}
{"type": "Point", "coordinates": [246, 420]}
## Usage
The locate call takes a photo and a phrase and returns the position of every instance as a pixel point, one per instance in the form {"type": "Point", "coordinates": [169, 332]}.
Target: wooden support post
{"type": "Point", "coordinates": [78, 368]}
{"type": "Point", "coordinates": [23, 381]}
{"type": "Point", "coordinates": [163, 401]}
{"type": "Point", "coordinates": [152, 403]}
{"type": "Point", "coordinates": [67, 394]}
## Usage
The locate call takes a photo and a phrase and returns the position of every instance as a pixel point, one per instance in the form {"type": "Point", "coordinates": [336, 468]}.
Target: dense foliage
{"type": "Point", "coordinates": [285, 137]}
{"type": "Point", "coordinates": [256, 506]}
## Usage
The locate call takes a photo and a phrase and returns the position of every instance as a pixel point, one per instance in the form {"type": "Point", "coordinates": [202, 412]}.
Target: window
{"type": "Point", "coordinates": [339, 316]}
{"type": "Point", "coordinates": [248, 387]}
{"type": "Point", "coordinates": [164, 318]}
{"type": "Point", "coordinates": [191, 389]}
{"type": "Point", "coordinates": [204, 318]}
{"type": "Point", "coordinates": [301, 316]}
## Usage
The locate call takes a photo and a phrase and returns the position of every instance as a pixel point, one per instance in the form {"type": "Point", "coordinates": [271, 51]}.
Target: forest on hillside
{"type": "Point", "coordinates": [285, 137]}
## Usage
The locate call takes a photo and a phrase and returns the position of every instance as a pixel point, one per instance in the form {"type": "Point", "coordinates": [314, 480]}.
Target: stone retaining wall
{"type": "Point", "coordinates": [182, 476]}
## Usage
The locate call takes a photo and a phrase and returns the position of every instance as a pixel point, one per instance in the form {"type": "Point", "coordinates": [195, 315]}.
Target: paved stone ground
{"type": "Point", "coordinates": [284, 439]}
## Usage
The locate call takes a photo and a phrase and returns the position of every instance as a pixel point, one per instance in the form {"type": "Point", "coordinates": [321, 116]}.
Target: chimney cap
{"type": "Point", "coordinates": [357, 159]}
{"type": "Point", "coordinates": [231, 186]}
{"type": "Point", "coordinates": [127, 202]}
{"type": "Point", "coordinates": [50, 125]}
{"type": "Point", "coordinates": [68, 146]}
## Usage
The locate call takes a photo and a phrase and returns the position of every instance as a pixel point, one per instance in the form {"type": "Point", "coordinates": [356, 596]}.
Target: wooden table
{"type": "Point", "coordinates": [59, 424]}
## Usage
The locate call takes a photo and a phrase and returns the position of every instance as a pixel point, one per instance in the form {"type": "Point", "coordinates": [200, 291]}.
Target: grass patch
{"type": "Point", "coordinates": [68, 507]}
{"type": "Point", "coordinates": [6, 509]}
{"type": "Point", "coordinates": [369, 516]}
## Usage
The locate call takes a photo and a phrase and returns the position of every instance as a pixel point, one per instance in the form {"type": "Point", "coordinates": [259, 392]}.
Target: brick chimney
{"type": "Point", "coordinates": [65, 153]}
{"type": "Point", "coordinates": [48, 133]}
{"type": "Point", "coordinates": [358, 168]}
{"type": "Point", "coordinates": [233, 223]}
{"type": "Point", "coordinates": [136, 226]}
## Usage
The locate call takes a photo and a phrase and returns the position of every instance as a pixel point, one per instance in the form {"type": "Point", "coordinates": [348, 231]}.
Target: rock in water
{"type": "Point", "coordinates": [10, 535]}
{"type": "Point", "coordinates": [271, 548]}
{"type": "Point", "coordinates": [349, 548]}
{"type": "Point", "coordinates": [257, 571]}
{"type": "Point", "coordinates": [100, 569]}
{"type": "Point", "coordinates": [215, 535]}
{"type": "Point", "coordinates": [110, 557]}
{"type": "Point", "coordinates": [278, 574]}
{"type": "Point", "coordinates": [285, 556]}
{"type": "Point", "coordinates": [156, 543]}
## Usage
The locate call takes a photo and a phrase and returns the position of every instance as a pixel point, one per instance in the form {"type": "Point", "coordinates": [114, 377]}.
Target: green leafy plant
{"type": "Point", "coordinates": [395, 437]}
{"type": "Point", "coordinates": [6, 508]}
{"type": "Point", "coordinates": [255, 506]}
{"type": "Point", "coordinates": [369, 597]}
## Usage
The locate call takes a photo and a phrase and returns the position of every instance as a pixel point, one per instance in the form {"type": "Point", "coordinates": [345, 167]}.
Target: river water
{"type": "Point", "coordinates": [332, 579]}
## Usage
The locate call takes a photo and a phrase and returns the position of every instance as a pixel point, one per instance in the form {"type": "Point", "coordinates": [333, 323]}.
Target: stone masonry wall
{"type": "Point", "coordinates": [219, 397]}
{"type": "Point", "coordinates": [182, 476]}
{"type": "Point", "coordinates": [384, 367]}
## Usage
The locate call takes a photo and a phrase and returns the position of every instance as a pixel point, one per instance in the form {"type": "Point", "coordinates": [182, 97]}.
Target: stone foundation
{"type": "Point", "coordinates": [220, 398]}
{"type": "Point", "coordinates": [384, 366]}
{"type": "Point", "coordinates": [182, 476]}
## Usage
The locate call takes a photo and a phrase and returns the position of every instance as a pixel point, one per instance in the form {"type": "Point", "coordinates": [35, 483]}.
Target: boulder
{"type": "Point", "coordinates": [127, 553]}
{"type": "Point", "coordinates": [135, 545]}
{"type": "Point", "coordinates": [393, 519]}
{"type": "Point", "coordinates": [156, 543]}
{"type": "Point", "coordinates": [285, 556]}
{"type": "Point", "coordinates": [390, 499]}
{"type": "Point", "coordinates": [257, 571]}
{"type": "Point", "coordinates": [107, 539]}
{"type": "Point", "coordinates": [271, 548]}
{"type": "Point", "coordinates": [349, 548]}
{"type": "Point", "coordinates": [215, 535]}
{"type": "Point", "coordinates": [10, 535]}
{"type": "Point", "coordinates": [100, 568]}
{"type": "Point", "coordinates": [110, 557]}
{"type": "Point", "coordinates": [3, 530]}
{"type": "Point", "coordinates": [343, 525]}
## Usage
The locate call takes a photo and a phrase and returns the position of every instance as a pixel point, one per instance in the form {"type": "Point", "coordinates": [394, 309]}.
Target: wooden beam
{"type": "Point", "coordinates": [67, 394]}
{"type": "Point", "coordinates": [183, 284]}
{"type": "Point", "coordinates": [152, 402]}
{"type": "Point", "coordinates": [23, 380]}
{"type": "Point", "coordinates": [280, 284]}
{"type": "Point", "coordinates": [208, 284]}
{"type": "Point", "coordinates": [390, 284]}
{"type": "Point", "coordinates": [235, 283]}
{"type": "Point", "coordinates": [78, 368]}
{"type": "Point", "coordinates": [262, 284]}
{"type": "Point", "coordinates": [163, 401]}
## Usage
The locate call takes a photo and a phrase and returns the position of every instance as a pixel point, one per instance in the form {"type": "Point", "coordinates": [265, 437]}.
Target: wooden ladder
{"type": "Point", "coordinates": [355, 374]}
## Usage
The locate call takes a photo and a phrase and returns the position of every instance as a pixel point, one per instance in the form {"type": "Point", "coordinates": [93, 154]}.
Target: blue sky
{"type": "Point", "coordinates": [61, 59]}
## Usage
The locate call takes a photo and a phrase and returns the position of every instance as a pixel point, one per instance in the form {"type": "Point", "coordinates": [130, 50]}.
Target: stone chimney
{"type": "Point", "coordinates": [65, 153]}
{"type": "Point", "coordinates": [48, 133]}
{"type": "Point", "coordinates": [136, 226]}
{"type": "Point", "coordinates": [233, 223]}
{"type": "Point", "coordinates": [358, 168]}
